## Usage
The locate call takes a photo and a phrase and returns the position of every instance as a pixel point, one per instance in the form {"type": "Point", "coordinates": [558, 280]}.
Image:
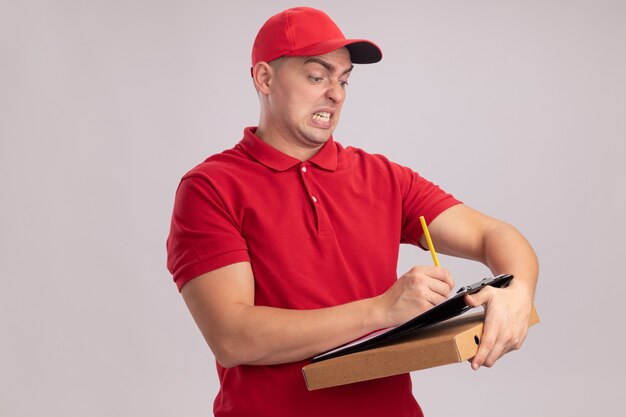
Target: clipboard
{"type": "Point", "coordinates": [450, 308]}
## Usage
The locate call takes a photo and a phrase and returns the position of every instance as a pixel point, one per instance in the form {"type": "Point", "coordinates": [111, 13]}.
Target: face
{"type": "Point", "coordinates": [306, 95]}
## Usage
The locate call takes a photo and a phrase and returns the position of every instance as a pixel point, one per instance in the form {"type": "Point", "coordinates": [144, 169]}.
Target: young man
{"type": "Point", "coordinates": [287, 245]}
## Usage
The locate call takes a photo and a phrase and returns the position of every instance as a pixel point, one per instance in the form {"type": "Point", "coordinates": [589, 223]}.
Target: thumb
{"type": "Point", "coordinates": [477, 299]}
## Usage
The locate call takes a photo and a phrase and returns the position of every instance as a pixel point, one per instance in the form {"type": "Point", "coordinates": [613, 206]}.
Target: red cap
{"type": "Point", "coordinates": [304, 31]}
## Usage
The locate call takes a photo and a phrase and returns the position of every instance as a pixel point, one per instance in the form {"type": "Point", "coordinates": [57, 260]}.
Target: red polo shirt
{"type": "Point", "coordinates": [317, 233]}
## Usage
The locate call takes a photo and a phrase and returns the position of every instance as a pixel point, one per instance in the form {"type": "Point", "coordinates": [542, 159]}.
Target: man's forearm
{"type": "Point", "coordinates": [240, 332]}
{"type": "Point", "coordinates": [268, 336]}
{"type": "Point", "coordinates": [507, 251]}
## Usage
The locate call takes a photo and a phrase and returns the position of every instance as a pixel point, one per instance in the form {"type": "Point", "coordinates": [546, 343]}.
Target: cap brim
{"type": "Point", "coordinates": [364, 52]}
{"type": "Point", "coordinates": [361, 51]}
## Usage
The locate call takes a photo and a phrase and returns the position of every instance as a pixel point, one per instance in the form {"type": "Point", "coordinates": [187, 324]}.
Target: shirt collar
{"type": "Point", "coordinates": [325, 158]}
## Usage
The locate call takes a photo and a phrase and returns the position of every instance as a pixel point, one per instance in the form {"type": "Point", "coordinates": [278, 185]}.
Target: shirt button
{"type": "Point", "coordinates": [314, 199]}
{"type": "Point", "coordinates": [303, 169]}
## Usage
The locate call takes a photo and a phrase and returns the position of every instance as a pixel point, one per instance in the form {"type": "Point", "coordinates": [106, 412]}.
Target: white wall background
{"type": "Point", "coordinates": [517, 107]}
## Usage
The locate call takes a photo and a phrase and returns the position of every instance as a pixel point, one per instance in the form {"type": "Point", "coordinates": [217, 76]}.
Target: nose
{"type": "Point", "coordinates": [335, 92]}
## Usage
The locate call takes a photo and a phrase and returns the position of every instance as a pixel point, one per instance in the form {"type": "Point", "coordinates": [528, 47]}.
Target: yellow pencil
{"type": "Point", "coordinates": [429, 241]}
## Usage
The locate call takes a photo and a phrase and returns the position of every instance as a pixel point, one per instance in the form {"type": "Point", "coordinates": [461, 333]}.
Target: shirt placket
{"type": "Point", "coordinates": [321, 217]}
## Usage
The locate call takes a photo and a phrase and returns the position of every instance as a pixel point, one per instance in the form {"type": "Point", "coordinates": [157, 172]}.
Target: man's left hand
{"type": "Point", "coordinates": [507, 315]}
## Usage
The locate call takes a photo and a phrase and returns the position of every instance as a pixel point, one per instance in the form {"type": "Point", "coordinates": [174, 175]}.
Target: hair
{"type": "Point", "coordinates": [277, 63]}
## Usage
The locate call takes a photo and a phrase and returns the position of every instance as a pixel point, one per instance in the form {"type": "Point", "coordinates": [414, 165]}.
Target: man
{"type": "Point", "coordinates": [287, 245]}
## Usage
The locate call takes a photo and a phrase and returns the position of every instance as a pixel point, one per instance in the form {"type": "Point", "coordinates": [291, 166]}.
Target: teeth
{"type": "Point", "coordinates": [325, 116]}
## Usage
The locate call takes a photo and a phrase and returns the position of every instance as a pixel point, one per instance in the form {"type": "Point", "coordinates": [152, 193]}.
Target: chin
{"type": "Point", "coordinates": [318, 137]}
{"type": "Point", "coordinates": [321, 139]}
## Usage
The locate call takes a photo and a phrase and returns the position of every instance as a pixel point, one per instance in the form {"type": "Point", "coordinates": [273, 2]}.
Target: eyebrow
{"type": "Point", "coordinates": [330, 67]}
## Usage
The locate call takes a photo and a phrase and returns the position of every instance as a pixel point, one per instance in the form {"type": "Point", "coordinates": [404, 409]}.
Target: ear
{"type": "Point", "coordinates": [262, 74]}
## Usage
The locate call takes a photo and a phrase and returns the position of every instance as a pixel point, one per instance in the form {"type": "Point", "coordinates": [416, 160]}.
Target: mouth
{"type": "Point", "coordinates": [322, 116]}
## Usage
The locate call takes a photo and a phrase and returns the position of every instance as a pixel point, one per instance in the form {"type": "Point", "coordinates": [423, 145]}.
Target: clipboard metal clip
{"type": "Point", "coordinates": [470, 289]}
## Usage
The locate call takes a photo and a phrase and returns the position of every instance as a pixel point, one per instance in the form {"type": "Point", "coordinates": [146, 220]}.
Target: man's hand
{"type": "Point", "coordinates": [420, 289]}
{"type": "Point", "coordinates": [507, 314]}
{"type": "Point", "coordinates": [462, 231]}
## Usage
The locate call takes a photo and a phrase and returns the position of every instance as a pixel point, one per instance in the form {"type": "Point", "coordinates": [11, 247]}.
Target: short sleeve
{"type": "Point", "coordinates": [420, 197]}
{"type": "Point", "coordinates": [204, 233]}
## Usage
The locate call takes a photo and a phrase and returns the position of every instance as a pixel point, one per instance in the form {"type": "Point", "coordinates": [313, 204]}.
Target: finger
{"type": "Point", "coordinates": [435, 272]}
{"type": "Point", "coordinates": [443, 275]}
{"type": "Point", "coordinates": [483, 297]}
{"type": "Point", "coordinates": [439, 287]}
{"type": "Point", "coordinates": [435, 299]}
{"type": "Point", "coordinates": [484, 348]}
{"type": "Point", "coordinates": [498, 339]}
{"type": "Point", "coordinates": [507, 341]}
{"type": "Point", "coordinates": [512, 338]}
{"type": "Point", "coordinates": [495, 353]}
{"type": "Point", "coordinates": [472, 301]}
{"type": "Point", "coordinates": [487, 343]}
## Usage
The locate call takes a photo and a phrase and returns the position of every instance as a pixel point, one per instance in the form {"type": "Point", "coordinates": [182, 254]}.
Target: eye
{"type": "Point", "coordinates": [343, 83]}
{"type": "Point", "coordinates": [315, 79]}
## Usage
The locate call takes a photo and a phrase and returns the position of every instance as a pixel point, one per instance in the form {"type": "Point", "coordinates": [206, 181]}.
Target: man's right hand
{"type": "Point", "coordinates": [420, 289]}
